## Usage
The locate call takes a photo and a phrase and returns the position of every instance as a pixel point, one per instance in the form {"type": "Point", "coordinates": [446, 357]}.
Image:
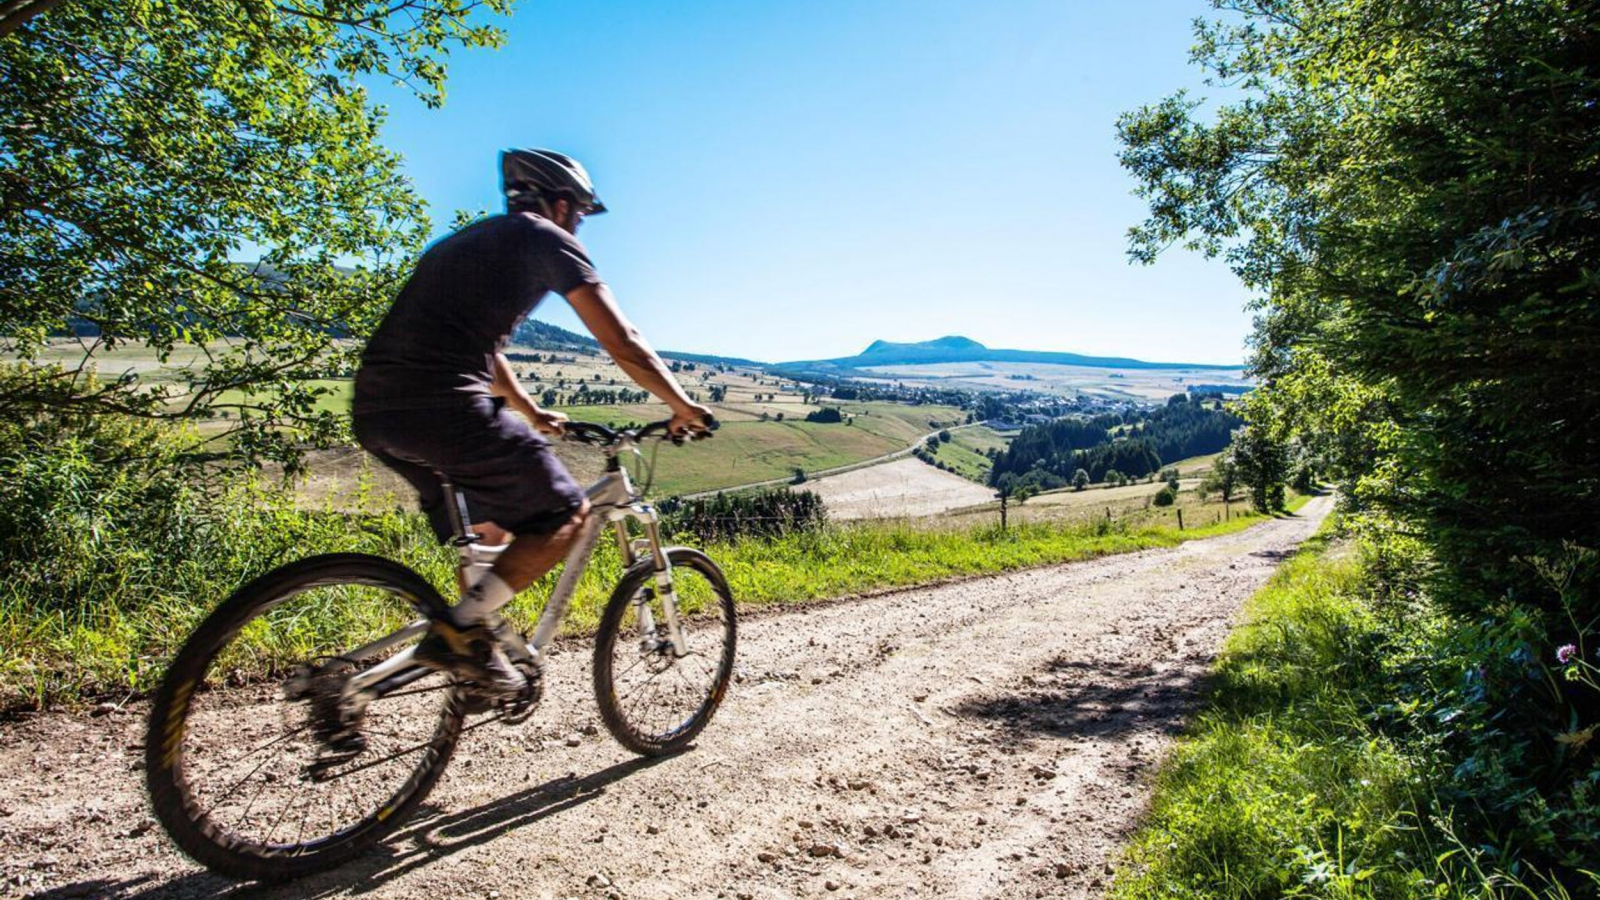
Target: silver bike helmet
{"type": "Point", "coordinates": [530, 175]}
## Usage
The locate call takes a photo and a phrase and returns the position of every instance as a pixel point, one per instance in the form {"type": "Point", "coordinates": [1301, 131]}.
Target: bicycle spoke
{"type": "Point", "coordinates": [257, 779]}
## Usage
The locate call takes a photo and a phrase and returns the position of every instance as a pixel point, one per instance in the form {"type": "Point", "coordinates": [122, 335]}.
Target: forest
{"type": "Point", "coordinates": [1134, 443]}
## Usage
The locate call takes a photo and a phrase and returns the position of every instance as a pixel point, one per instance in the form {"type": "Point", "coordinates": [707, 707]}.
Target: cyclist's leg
{"type": "Point", "coordinates": [424, 479]}
{"type": "Point", "coordinates": [514, 480]}
{"type": "Point", "coordinates": [531, 555]}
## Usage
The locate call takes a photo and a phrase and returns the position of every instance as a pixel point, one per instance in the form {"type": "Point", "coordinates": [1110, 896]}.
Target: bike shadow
{"type": "Point", "coordinates": [428, 838]}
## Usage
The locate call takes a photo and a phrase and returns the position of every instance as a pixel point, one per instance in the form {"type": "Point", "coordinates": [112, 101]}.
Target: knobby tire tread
{"type": "Point", "coordinates": [608, 634]}
{"type": "Point", "coordinates": [170, 708]}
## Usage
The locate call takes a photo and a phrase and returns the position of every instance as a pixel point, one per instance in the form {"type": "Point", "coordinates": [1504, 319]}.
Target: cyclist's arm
{"type": "Point", "coordinates": [617, 336]}
{"type": "Point", "coordinates": [505, 385]}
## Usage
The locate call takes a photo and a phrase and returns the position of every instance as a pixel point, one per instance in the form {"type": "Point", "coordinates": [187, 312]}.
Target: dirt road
{"type": "Point", "coordinates": [989, 738]}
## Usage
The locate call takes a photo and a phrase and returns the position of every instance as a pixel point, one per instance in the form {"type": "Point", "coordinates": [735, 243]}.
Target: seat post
{"type": "Point", "coordinates": [455, 508]}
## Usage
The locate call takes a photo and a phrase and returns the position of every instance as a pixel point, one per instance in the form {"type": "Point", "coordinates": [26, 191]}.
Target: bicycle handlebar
{"type": "Point", "coordinates": [590, 433]}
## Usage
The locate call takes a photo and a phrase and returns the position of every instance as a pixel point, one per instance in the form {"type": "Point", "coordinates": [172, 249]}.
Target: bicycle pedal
{"type": "Point", "coordinates": [474, 701]}
{"type": "Point", "coordinates": [516, 710]}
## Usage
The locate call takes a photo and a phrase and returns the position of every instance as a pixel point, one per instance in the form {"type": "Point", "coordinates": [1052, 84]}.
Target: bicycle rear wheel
{"type": "Point", "coordinates": [241, 768]}
{"type": "Point", "coordinates": [653, 701]}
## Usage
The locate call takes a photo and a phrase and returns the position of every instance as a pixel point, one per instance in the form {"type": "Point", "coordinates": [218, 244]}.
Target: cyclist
{"type": "Point", "coordinates": [434, 394]}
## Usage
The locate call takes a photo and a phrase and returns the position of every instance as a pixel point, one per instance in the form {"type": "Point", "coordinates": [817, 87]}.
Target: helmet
{"type": "Point", "coordinates": [528, 175]}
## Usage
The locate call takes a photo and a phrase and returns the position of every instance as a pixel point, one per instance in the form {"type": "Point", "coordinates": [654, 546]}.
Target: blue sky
{"type": "Point", "coordinates": [795, 180]}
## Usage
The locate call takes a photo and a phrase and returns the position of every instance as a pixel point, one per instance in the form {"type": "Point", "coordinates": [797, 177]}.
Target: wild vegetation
{"type": "Point", "coordinates": [112, 553]}
{"type": "Point", "coordinates": [1409, 188]}
{"type": "Point", "coordinates": [1132, 444]}
{"type": "Point", "coordinates": [145, 143]}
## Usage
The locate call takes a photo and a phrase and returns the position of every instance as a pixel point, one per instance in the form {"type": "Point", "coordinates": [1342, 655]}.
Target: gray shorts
{"type": "Point", "coordinates": [504, 468]}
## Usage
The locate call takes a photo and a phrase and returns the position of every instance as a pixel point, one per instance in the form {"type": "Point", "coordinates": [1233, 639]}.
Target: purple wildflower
{"type": "Point", "coordinates": [1565, 653]}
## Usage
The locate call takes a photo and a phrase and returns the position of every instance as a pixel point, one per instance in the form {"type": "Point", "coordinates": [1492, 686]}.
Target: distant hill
{"type": "Point", "coordinates": [955, 348]}
{"type": "Point", "coordinates": [544, 336]}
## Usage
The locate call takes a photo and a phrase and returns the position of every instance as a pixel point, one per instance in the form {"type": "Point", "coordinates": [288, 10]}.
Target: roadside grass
{"type": "Point", "coordinates": [1289, 783]}
{"type": "Point", "coordinates": [112, 635]}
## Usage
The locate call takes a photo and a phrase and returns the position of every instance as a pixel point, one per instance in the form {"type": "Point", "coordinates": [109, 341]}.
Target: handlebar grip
{"type": "Point", "coordinates": [586, 432]}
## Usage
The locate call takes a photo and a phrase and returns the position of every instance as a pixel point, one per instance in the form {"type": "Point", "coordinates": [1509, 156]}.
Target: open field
{"type": "Point", "coordinates": [980, 439]}
{"type": "Point", "coordinates": [939, 499]}
{"type": "Point", "coordinates": [968, 464]}
{"type": "Point", "coordinates": [746, 452]}
{"type": "Point", "coordinates": [1129, 504]}
{"type": "Point", "coordinates": [1066, 381]}
{"type": "Point", "coordinates": [753, 446]}
{"type": "Point", "coordinates": [903, 488]}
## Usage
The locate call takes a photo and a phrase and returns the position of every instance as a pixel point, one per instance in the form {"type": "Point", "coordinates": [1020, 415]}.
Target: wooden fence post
{"type": "Point", "coordinates": [1180, 520]}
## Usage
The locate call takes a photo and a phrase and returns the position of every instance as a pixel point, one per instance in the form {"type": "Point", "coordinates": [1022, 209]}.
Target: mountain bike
{"type": "Point", "coordinates": [240, 763]}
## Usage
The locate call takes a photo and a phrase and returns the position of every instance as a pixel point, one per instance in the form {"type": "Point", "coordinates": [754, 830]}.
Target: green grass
{"type": "Point", "coordinates": [1285, 785]}
{"type": "Point", "coordinates": [967, 463]}
{"type": "Point", "coordinates": [980, 438]}
{"type": "Point", "coordinates": [747, 452]}
{"type": "Point", "coordinates": [902, 422]}
{"type": "Point", "coordinates": [114, 636]}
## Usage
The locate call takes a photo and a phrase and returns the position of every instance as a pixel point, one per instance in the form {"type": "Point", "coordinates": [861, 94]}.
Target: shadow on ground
{"type": "Point", "coordinates": [430, 837]}
{"type": "Point", "coordinates": [1071, 698]}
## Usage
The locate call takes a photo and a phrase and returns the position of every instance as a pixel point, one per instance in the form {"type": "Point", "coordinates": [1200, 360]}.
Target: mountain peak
{"type": "Point", "coordinates": [948, 342]}
{"type": "Point", "coordinates": [954, 342]}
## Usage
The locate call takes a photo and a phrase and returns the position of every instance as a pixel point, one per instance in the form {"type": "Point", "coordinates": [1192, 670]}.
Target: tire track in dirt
{"type": "Point", "coordinates": [987, 738]}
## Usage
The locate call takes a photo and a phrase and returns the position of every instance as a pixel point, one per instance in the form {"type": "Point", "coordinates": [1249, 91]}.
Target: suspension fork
{"type": "Point", "coordinates": [632, 552]}
{"type": "Point", "coordinates": [664, 589]}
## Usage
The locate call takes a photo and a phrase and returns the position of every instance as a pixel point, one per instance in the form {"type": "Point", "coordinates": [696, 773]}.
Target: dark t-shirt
{"type": "Point", "coordinates": [435, 347]}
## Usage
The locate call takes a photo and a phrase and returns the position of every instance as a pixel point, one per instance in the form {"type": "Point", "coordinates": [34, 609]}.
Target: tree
{"type": "Point", "coordinates": [1409, 188]}
{"type": "Point", "coordinates": [1165, 497]}
{"type": "Point", "coordinates": [1080, 480]}
{"type": "Point", "coordinates": [1222, 478]}
{"type": "Point", "coordinates": [1004, 487]}
{"type": "Point", "coordinates": [1261, 464]}
{"type": "Point", "coordinates": [147, 145]}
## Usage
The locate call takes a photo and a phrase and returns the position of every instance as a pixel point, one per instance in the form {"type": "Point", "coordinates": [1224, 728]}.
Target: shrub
{"type": "Point", "coordinates": [826, 415]}
{"type": "Point", "coordinates": [769, 512]}
{"type": "Point", "coordinates": [1165, 496]}
{"type": "Point", "coordinates": [114, 547]}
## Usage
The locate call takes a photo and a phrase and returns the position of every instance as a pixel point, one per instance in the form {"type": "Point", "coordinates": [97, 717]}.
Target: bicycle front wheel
{"type": "Point", "coordinates": [653, 699]}
{"type": "Point", "coordinates": [242, 762]}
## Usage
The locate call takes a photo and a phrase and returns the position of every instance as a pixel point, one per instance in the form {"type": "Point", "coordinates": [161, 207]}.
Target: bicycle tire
{"type": "Point", "coordinates": [617, 717]}
{"type": "Point", "coordinates": [177, 807]}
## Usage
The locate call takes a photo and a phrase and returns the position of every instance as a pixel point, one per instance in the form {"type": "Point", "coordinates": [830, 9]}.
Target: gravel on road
{"type": "Point", "coordinates": [989, 738]}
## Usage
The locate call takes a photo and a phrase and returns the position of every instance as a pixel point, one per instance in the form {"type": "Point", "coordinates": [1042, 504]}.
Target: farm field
{"type": "Point", "coordinates": [962, 461]}
{"type": "Point", "coordinates": [902, 488]}
{"type": "Point", "coordinates": [910, 488]}
{"type": "Point", "coordinates": [754, 444]}
{"type": "Point", "coordinates": [1066, 381]}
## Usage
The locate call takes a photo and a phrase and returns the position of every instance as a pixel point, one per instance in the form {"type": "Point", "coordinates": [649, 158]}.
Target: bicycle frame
{"type": "Point", "coordinates": [613, 502]}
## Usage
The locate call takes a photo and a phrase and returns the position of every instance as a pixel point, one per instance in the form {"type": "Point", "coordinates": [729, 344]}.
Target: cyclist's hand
{"type": "Point", "coordinates": [551, 423]}
{"type": "Point", "coordinates": [690, 420]}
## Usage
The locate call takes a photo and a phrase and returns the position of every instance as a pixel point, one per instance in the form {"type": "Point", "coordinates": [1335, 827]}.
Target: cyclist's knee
{"type": "Point", "coordinates": [582, 515]}
{"type": "Point", "coordinates": [579, 516]}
